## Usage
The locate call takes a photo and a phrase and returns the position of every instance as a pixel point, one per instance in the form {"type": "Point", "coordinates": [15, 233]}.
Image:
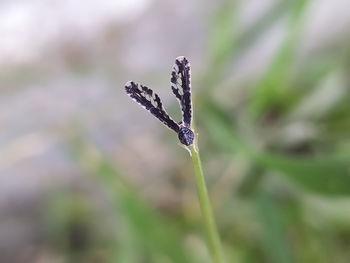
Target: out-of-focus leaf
{"type": "Point", "coordinates": [324, 174]}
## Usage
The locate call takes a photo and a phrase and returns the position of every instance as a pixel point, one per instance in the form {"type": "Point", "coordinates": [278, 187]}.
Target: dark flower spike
{"type": "Point", "coordinates": [151, 102]}
{"type": "Point", "coordinates": [181, 87]}
{"type": "Point", "coordinates": [180, 79]}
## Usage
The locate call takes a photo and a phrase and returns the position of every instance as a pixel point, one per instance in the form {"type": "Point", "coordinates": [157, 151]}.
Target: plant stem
{"type": "Point", "coordinates": [213, 238]}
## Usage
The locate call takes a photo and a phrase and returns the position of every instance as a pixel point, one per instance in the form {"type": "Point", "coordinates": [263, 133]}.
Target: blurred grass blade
{"type": "Point", "coordinates": [156, 234]}
{"type": "Point", "coordinates": [273, 229]}
{"type": "Point", "coordinates": [324, 174]}
{"type": "Point", "coordinates": [227, 45]}
{"type": "Point", "coordinates": [222, 33]}
{"type": "Point", "coordinates": [271, 89]}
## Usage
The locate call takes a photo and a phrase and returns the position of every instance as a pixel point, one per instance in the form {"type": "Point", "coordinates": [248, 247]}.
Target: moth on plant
{"type": "Point", "coordinates": [181, 87]}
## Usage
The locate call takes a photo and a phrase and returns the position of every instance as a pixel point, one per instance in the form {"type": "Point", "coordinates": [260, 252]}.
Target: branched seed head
{"type": "Point", "coordinates": [181, 87]}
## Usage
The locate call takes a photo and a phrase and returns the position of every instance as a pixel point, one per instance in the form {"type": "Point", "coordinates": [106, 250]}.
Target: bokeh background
{"type": "Point", "coordinates": [89, 176]}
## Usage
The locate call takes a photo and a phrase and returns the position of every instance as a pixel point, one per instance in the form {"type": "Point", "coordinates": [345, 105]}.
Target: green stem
{"type": "Point", "coordinates": [213, 238]}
